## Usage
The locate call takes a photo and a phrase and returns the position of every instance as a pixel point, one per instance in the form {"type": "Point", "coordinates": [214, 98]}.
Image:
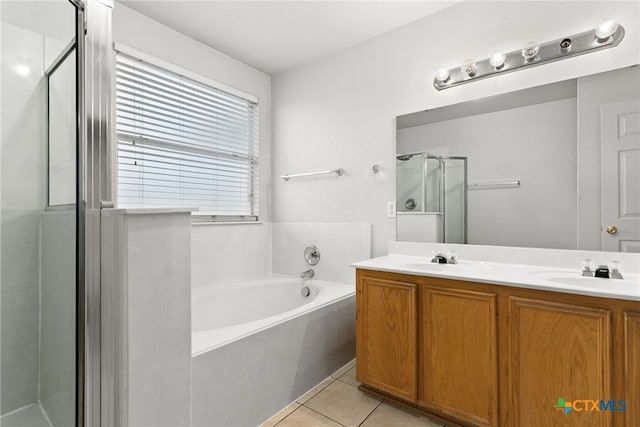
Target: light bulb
{"type": "Point", "coordinates": [469, 67]}
{"type": "Point", "coordinates": [443, 75]}
{"type": "Point", "coordinates": [497, 60]}
{"type": "Point", "coordinates": [530, 50]}
{"type": "Point", "coordinates": [606, 29]}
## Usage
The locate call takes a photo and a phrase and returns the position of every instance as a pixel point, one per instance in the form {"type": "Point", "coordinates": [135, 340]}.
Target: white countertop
{"type": "Point", "coordinates": [517, 275]}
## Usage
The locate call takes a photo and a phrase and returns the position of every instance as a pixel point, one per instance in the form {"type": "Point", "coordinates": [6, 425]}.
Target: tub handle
{"type": "Point", "coordinates": [312, 255]}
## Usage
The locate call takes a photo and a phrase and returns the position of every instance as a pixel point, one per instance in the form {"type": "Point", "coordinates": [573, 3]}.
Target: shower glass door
{"type": "Point", "coordinates": [431, 198]}
{"type": "Point", "coordinates": [38, 213]}
{"type": "Point", "coordinates": [454, 198]}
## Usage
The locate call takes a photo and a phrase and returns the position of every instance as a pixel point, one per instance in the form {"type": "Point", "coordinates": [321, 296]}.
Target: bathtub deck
{"type": "Point", "coordinates": [336, 402]}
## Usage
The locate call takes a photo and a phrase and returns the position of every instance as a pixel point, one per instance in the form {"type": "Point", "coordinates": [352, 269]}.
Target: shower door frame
{"type": "Point", "coordinates": [80, 214]}
{"type": "Point", "coordinates": [93, 191]}
{"type": "Point", "coordinates": [77, 44]}
{"type": "Point", "coordinates": [442, 187]}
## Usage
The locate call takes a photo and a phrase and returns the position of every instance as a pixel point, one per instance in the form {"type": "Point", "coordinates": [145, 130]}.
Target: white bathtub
{"type": "Point", "coordinates": [224, 313]}
{"type": "Point", "coordinates": [260, 344]}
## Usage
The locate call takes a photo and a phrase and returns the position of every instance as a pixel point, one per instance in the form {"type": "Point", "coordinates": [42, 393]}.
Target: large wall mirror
{"type": "Point", "coordinates": [553, 166]}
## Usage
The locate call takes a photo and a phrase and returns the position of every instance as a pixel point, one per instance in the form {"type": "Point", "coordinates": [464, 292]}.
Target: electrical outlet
{"type": "Point", "coordinates": [391, 209]}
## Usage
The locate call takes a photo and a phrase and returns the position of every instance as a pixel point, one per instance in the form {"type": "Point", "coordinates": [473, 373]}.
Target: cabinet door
{"type": "Point", "coordinates": [559, 354]}
{"type": "Point", "coordinates": [386, 337]}
{"type": "Point", "coordinates": [632, 368]}
{"type": "Point", "coordinates": [459, 354]}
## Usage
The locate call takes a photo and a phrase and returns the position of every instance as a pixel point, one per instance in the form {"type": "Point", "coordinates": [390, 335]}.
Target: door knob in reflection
{"type": "Point", "coordinates": [612, 229]}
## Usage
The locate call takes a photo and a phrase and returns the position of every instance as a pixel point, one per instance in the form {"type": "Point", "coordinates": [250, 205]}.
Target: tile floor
{"type": "Point", "coordinates": [337, 402]}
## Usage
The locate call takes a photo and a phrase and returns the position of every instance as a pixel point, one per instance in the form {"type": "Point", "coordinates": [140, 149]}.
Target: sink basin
{"type": "Point", "coordinates": [584, 282]}
{"type": "Point", "coordinates": [590, 282]}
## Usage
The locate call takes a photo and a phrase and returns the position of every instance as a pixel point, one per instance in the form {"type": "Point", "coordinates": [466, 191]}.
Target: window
{"type": "Point", "coordinates": [184, 143]}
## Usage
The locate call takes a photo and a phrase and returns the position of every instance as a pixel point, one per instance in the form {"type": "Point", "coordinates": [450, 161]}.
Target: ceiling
{"type": "Point", "coordinates": [274, 36]}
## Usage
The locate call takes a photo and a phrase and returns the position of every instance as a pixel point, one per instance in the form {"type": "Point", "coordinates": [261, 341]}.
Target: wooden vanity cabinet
{"type": "Point", "coordinates": [558, 350]}
{"type": "Point", "coordinates": [458, 354]}
{"type": "Point", "coordinates": [632, 367]}
{"type": "Point", "coordinates": [386, 327]}
{"type": "Point", "coordinates": [488, 355]}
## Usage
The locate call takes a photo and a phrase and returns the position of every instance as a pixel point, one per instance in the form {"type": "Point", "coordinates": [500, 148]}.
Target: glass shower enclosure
{"type": "Point", "coordinates": [431, 198]}
{"type": "Point", "coordinates": [39, 212]}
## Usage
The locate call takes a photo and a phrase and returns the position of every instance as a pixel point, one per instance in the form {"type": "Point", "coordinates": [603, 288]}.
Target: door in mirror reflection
{"type": "Point", "coordinates": [621, 176]}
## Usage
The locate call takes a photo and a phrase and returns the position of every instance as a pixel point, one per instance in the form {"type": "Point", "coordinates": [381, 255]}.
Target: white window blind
{"type": "Point", "coordinates": [183, 143]}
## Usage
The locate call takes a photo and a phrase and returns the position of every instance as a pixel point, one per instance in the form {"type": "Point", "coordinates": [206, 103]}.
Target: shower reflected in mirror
{"type": "Point", "coordinates": [431, 198]}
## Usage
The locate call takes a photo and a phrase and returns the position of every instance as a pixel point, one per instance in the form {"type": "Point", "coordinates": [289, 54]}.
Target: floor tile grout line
{"type": "Point", "coordinates": [316, 393]}
{"type": "Point", "coordinates": [370, 413]}
{"type": "Point", "coordinates": [343, 381]}
{"type": "Point", "coordinates": [346, 370]}
{"type": "Point", "coordinates": [286, 416]}
{"type": "Point", "coordinates": [326, 416]}
{"type": "Point", "coordinates": [320, 413]}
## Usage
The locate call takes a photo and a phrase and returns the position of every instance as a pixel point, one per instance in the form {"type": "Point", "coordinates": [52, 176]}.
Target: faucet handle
{"type": "Point", "coordinates": [439, 258]}
{"type": "Point", "coordinates": [453, 257]}
{"type": "Point", "coordinates": [587, 267]}
{"type": "Point", "coordinates": [614, 270]}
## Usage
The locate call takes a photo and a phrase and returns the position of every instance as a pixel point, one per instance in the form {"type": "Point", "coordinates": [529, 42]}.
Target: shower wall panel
{"type": "Point", "coordinates": [57, 336]}
{"type": "Point", "coordinates": [22, 199]}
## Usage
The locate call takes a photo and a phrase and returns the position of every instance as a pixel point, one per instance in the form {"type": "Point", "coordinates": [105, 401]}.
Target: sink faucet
{"type": "Point", "coordinates": [603, 271]}
{"type": "Point", "coordinates": [440, 258]}
{"type": "Point", "coordinates": [308, 274]}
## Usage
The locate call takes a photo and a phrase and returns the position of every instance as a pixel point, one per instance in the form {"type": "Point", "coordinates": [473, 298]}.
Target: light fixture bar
{"type": "Point", "coordinates": [555, 50]}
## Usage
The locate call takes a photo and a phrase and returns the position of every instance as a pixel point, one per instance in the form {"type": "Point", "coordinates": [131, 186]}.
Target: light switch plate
{"type": "Point", "coordinates": [391, 209]}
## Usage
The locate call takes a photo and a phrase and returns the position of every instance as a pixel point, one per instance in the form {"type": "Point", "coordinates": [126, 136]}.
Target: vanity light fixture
{"type": "Point", "coordinates": [443, 75]}
{"type": "Point", "coordinates": [607, 35]}
{"type": "Point", "coordinates": [530, 51]}
{"type": "Point", "coordinates": [497, 60]}
{"type": "Point", "coordinates": [606, 29]}
{"type": "Point", "coordinates": [469, 67]}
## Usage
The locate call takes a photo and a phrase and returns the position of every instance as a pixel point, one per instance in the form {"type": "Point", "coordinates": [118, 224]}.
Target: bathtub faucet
{"type": "Point", "coordinates": [307, 274]}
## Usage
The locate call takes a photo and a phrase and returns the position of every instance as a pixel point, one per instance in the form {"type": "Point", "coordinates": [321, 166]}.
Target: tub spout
{"type": "Point", "coordinates": [308, 274]}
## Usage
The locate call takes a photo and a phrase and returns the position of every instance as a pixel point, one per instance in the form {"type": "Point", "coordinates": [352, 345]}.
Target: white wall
{"type": "Point", "coordinates": [339, 111]}
{"type": "Point", "coordinates": [535, 144]}
{"type": "Point", "coordinates": [339, 244]}
{"type": "Point", "coordinates": [230, 252]}
{"type": "Point", "coordinates": [214, 258]}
